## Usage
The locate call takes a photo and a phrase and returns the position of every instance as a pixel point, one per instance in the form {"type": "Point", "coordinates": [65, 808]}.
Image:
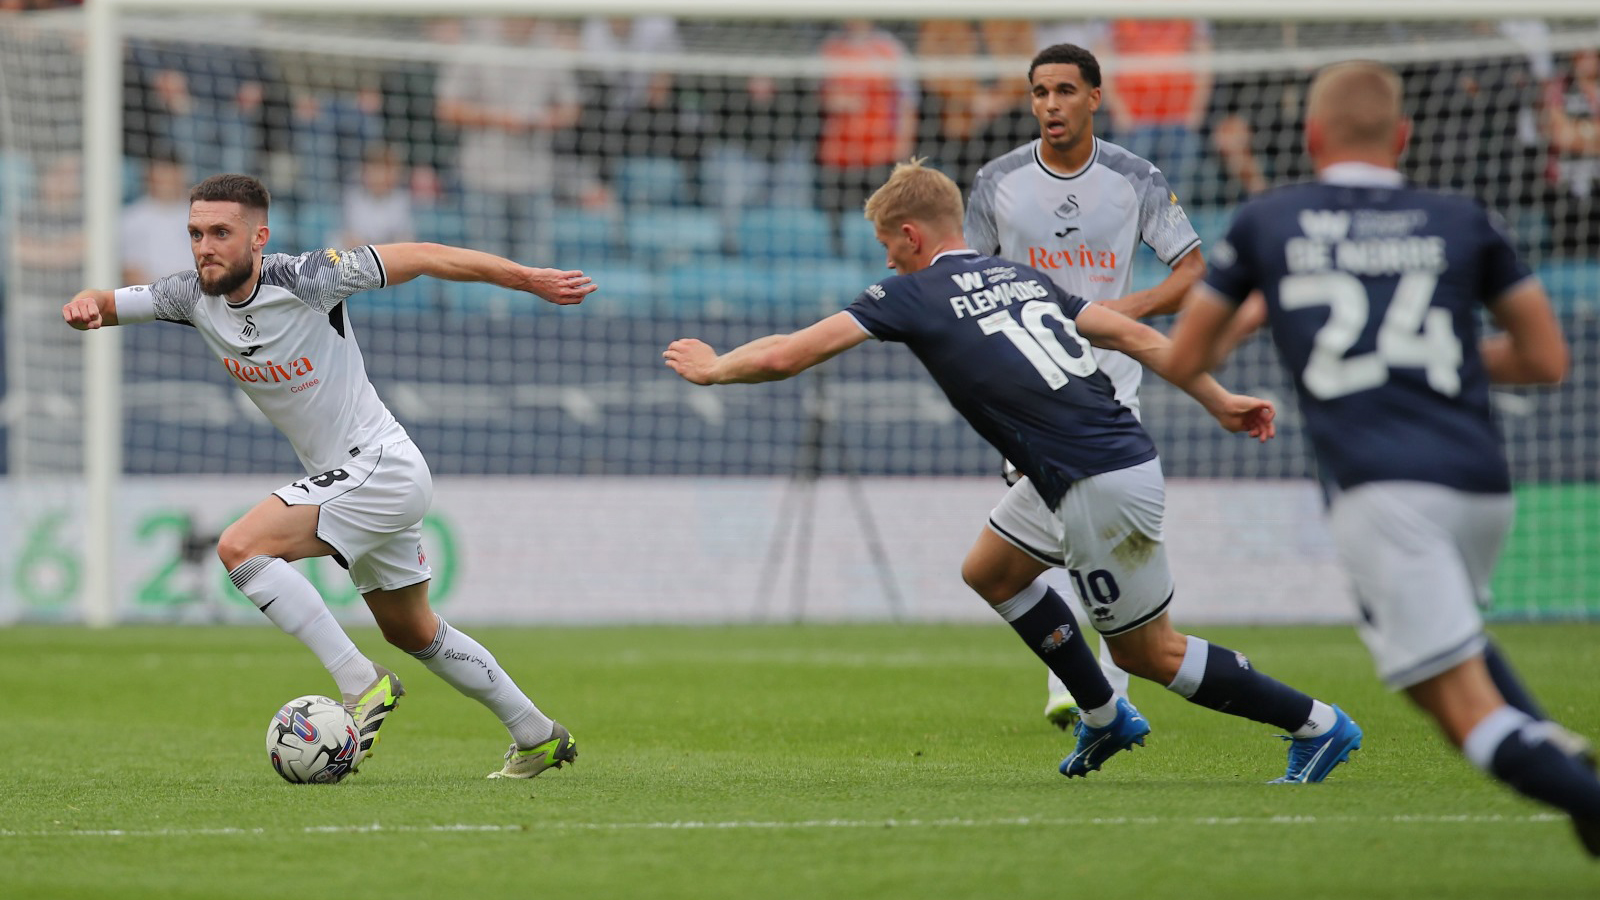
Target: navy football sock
{"type": "Point", "coordinates": [1218, 678]}
{"type": "Point", "coordinates": [1044, 622]}
{"type": "Point", "coordinates": [1519, 751]}
{"type": "Point", "coordinates": [1509, 685]}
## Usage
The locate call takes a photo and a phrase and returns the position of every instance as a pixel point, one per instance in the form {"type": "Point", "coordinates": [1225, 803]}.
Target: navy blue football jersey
{"type": "Point", "coordinates": [1371, 297]}
{"type": "Point", "coordinates": [999, 338]}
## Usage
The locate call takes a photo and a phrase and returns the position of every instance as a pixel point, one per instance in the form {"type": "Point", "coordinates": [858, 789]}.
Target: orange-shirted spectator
{"type": "Point", "coordinates": [1158, 105]}
{"type": "Point", "coordinates": [869, 112]}
{"type": "Point", "coordinates": [958, 104]}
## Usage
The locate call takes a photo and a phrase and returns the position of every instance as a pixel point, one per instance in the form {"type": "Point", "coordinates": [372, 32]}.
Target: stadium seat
{"type": "Point", "coordinates": [1572, 284]}
{"type": "Point", "coordinates": [467, 298]}
{"type": "Point", "coordinates": [822, 287]}
{"type": "Point", "coordinates": [1210, 222]}
{"type": "Point", "coordinates": [859, 241]}
{"type": "Point", "coordinates": [442, 223]}
{"type": "Point", "coordinates": [668, 236]}
{"type": "Point", "coordinates": [624, 290]}
{"type": "Point", "coordinates": [780, 233]}
{"type": "Point", "coordinates": [651, 181]}
{"type": "Point", "coordinates": [1530, 230]}
{"type": "Point", "coordinates": [132, 179]}
{"type": "Point", "coordinates": [583, 238]}
{"type": "Point", "coordinates": [284, 233]}
{"type": "Point", "coordinates": [420, 295]}
{"type": "Point", "coordinates": [316, 225]}
{"type": "Point", "coordinates": [17, 176]}
{"type": "Point", "coordinates": [722, 288]}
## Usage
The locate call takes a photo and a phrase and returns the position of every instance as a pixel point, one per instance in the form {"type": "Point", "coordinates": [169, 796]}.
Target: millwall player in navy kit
{"type": "Point", "coordinates": [1371, 290]}
{"type": "Point", "coordinates": [1012, 352]}
{"type": "Point", "coordinates": [278, 325]}
{"type": "Point", "coordinates": [1077, 208]}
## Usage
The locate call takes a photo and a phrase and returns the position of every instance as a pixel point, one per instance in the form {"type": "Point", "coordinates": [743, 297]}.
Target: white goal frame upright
{"type": "Point", "coordinates": [103, 140]}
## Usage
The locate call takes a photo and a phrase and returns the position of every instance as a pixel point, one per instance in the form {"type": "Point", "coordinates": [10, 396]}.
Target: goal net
{"type": "Point", "coordinates": [708, 173]}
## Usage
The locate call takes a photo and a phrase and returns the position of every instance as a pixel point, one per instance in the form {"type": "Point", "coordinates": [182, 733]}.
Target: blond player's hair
{"type": "Point", "coordinates": [1357, 103]}
{"type": "Point", "coordinates": [916, 193]}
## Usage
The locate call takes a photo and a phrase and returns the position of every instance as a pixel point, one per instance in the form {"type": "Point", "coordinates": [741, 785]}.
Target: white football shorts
{"type": "Point", "coordinates": [1419, 557]}
{"type": "Point", "coordinates": [371, 514]}
{"type": "Point", "coordinates": [1107, 535]}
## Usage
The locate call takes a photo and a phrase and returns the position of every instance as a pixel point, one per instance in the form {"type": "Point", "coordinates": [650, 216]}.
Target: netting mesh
{"type": "Point", "coordinates": [709, 175]}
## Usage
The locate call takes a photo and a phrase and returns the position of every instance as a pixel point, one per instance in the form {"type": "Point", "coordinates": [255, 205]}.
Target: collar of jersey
{"type": "Point", "coordinates": [1360, 174]}
{"type": "Point", "coordinates": [248, 300]}
{"type": "Point", "coordinates": [1057, 175]}
{"type": "Point", "coordinates": [966, 251]}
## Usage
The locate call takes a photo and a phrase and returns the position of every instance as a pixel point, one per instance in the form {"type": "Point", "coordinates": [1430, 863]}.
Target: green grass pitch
{"type": "Point", "coordinates": [838, 762]}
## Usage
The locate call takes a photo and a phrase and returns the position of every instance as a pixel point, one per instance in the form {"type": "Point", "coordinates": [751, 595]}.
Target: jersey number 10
{"type": "Point", "coordinates": [1038, 342]}
{"type": "Point", "coordinates": [1413, 334]}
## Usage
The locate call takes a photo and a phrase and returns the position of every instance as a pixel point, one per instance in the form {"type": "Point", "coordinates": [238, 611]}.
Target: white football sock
{"type": "Point", "coordinates": [1486, 737]}
{"type": "Point", "coordinates": [1113, 672]}
{"type": "Point", "coordinates": [1100, 716]}
{"type": "Point", "coordinates": [471, 669]}
{"type": "Point", "coordinates": [1319, 723]}
{"type": "Point", "coordinates": [289, 600]}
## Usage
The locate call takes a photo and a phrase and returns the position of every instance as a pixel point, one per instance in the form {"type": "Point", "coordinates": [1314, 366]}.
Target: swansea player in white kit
{"type": "Point", "coordinates": [277, 324]}
{"type": "Point", "coordinates": [1012, 352]}
{"type": "Point", "coordinates": [1372, 289]}
{"type": "Point", "coordinates": [1077, 208]}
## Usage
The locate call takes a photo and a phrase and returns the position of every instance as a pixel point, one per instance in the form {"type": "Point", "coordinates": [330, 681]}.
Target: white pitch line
{"type": "Point", "coordinates": [737, 825]}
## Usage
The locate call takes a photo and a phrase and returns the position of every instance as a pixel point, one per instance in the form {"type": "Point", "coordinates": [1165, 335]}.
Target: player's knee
{"type": "Point", "coordinates": [411, 633]}
{"type": "Point", "coordinates": [235, 546]}
{"type": "Point", "coordinates": [1137, 660]}
{"type": "Point", "coordinates": [1154, 657]}
{"type": "Point", "coordinates": [985, 581]}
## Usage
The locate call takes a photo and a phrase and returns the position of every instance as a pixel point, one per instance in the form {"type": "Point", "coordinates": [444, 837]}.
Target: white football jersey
{"type": "Point", "coordinates": [290, 348]}
{"type": "Point", "coordinates": [1081, 229]}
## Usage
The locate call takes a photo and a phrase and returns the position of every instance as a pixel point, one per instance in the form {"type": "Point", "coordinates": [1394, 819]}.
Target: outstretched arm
{"type": "Point", "coordinates": [90, 309]}
{"type": "Point", "coordinates": [403, 262]}
{"type": "Point", "coordinates": [1114, 331]}
{"type": "Point", "coordinates": [1201, 339]}
{"type": "Point", "coordinates": [772, 358]}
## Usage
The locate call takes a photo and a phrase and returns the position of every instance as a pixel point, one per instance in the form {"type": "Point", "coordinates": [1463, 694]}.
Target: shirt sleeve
{"type": "Point", "coordinates": [134, 304]}
{"type": "Point", "coordinates": [979, 227]}
{"type": "Point", "coordinates": [875, 311]}
{"type": "Point", "coordinates": [1502, 267]}
{"type": "Point", "coordinates": [172, 298]}
{"type": "Point", "coordinates": [1162, 222]}
{"type": "Point", "coordinates": [1228, 270]}
{"type": "Point", "coordinates": [323, 279]}
{"type": "Point", "coordinates": [1071, 304]}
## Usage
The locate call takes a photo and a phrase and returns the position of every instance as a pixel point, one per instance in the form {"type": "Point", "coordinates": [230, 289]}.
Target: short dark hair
{"type": "Point", "coordinates": [232, 188]}
{"type": "Point", "coordinates": [1068, 55]}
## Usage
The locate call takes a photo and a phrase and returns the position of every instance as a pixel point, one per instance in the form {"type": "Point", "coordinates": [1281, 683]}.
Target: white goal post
{"type": "Point", "coordinates": [105, 22]}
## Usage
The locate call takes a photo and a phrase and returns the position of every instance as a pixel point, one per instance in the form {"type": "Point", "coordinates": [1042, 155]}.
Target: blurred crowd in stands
{"type": "Point", "coordinates": [491, 148]}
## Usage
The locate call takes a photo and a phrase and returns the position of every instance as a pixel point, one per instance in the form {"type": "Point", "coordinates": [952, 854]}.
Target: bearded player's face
{"type": "Point", "coordinates": [225, 238]}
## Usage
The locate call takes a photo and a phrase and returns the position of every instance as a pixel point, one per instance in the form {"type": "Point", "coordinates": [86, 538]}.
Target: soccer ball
{"type": "Point", "coordinates": [313, 740]}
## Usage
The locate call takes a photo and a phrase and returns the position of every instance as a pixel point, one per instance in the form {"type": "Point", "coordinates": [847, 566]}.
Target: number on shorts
{"type": "Point", "coordinates": [1098, 587]}
{"type": "Point", "coordinates": [327, 478]}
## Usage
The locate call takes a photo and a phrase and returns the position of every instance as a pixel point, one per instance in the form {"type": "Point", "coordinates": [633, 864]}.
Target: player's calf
{"type": "Point", "coordinates": [1543, 761]}
{"type": "Point", "coordinates": [1045, 623]}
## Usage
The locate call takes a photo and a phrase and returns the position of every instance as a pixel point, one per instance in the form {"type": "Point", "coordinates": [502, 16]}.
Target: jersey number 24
{"type": "Point", "coordinates": [1413, 334]}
